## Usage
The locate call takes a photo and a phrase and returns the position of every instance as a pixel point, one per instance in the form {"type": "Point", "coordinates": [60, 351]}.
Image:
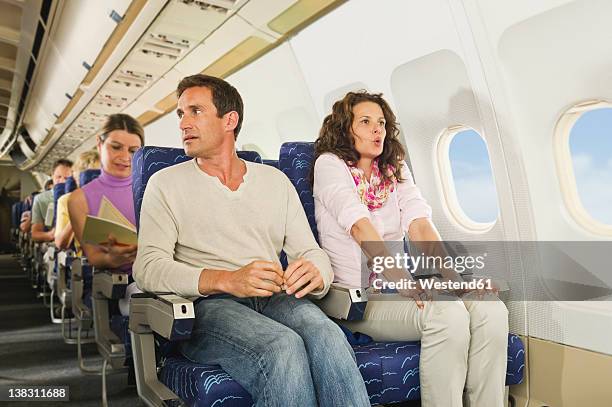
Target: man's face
{"type": "Point", "coordinates": [60, 173]}
{"type": "Point", "coordinates": [202, 132]}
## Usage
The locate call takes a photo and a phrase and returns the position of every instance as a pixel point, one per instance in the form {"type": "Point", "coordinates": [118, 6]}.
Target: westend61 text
{"type": "Point", "coordinates": [407, 284]}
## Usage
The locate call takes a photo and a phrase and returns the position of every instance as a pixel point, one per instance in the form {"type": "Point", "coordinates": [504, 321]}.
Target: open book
{"type": "Point", "coordinates": [109, 222]}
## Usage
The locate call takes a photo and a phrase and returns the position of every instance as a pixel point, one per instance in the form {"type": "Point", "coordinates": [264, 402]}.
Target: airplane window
{"type": "Point", "coordinates": [472, 177]}
{"type": "Point", "coordinates": [590, 142]}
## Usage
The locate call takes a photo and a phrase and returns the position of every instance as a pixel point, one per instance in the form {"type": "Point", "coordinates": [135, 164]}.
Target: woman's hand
{"type": "Point", "coordinates": [418, 294]}
{"type": "Point", "coordinates": [117, 254]}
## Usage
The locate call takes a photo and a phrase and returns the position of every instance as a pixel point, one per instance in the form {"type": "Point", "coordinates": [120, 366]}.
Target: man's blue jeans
{"type": "Point", "coordinates": [284, 351]}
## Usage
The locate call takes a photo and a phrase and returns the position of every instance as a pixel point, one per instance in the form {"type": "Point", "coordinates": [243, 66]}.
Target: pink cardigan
{"type": "Point", "coordinates": [337, 208]}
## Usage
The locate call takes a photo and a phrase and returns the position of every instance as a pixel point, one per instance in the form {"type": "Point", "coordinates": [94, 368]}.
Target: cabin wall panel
{"type": "Point", "coordinates": [540, 58]}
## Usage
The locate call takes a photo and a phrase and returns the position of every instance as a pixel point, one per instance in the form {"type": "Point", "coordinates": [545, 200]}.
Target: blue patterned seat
{"type": "Point", "coordinates": [58, 191]}
{"type": "Point", "coordinates": [87, 176]}
{"type": "Point", "coordinates": [70, 185]}
{"type": "Point", "coordinates": [390, 369]}
{"type": "Point", "coordinates": [271, 163]}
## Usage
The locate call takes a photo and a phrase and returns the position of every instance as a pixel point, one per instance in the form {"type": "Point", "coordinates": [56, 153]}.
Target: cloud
{"type": "Point", "coordinates": [478, 197]}
{"type": "Point", "coordinates": [594, 183]}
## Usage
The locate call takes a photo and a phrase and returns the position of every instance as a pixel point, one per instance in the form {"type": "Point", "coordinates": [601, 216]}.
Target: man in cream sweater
{"type": "Point", "coordinates": [213, 227]}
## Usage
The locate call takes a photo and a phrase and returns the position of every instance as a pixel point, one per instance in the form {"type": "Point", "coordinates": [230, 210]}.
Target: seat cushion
{"type": "Point", "coordinates": [390, 371]}
{"type": "Point", "coordinates": [202, 385]}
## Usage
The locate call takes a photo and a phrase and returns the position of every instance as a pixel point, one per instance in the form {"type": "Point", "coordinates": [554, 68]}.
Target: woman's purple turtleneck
{"type": "Point", "coordinates": [117, 190]}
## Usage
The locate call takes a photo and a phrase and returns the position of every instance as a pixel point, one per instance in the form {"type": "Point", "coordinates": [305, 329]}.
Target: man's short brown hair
{"type": "Point", "coordinates": [224, 96]}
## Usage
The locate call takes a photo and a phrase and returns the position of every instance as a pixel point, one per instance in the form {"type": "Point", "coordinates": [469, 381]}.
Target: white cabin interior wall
{"type": "Point", "coordinates": [540, 58]}
{"type": "Point", "coordinates": [277, 107]}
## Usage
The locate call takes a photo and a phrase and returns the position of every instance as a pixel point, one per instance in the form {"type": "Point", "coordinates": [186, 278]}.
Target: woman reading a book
{"type": "Point", "coordinates": [121, 136]}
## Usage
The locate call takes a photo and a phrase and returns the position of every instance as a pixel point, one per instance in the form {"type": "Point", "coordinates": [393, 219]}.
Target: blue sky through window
{"type": "Point", "coordinates": [591, 149]}
{"type": "Point", "coordinates": [472, 175]}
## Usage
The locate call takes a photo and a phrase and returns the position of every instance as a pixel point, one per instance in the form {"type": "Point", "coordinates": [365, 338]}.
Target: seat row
{"type": "Point", "coordinates": [148, 337]}
{"type": "Point", "coordinates": [157, 320]}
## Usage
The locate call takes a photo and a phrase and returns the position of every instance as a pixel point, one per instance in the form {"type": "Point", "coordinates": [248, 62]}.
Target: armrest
{"type": "Point", "coordinates": [168, 315]}
{"type": "Point", "coordinates": [77, 286]}
{"type": "Point", "coordinates": [344, 303]}
{"type": "Point", "coordinates": [109, 285]}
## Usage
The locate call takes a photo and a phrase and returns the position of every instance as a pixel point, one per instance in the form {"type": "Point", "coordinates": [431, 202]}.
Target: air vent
{"type": "Point", "coordinates": [137, 75]}
{"type": "Point", "coordinates": [129, 81]}
{"type": "Point", "coordinates": [108, 101]}
{"type": "Point", "coordinates": [164, 46]}
{"type": "Point", "coordinates": [221, 6]}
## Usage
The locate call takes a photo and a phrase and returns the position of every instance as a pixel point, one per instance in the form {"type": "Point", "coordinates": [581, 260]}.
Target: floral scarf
{"type": "Point", "coordinates": [373, 193]}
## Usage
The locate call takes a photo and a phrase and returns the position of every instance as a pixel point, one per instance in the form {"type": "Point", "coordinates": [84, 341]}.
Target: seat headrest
{"type": "Point", "coordinates": [58, 191]}
{"type": "Point", "coordinates": [70, 185]}
{"type": "Point", "coordinates": [87, 176]}
{"type": "Point", "coordinates": [295, 160]}
{"type": "Point", "coordinates": [271, 163]}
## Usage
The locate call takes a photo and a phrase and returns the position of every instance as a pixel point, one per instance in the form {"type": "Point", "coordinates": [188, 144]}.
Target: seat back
{"type": "Point", "coordinates": [295, 160]}
{"type": "Point", "coordinates": [70, 185]}
{"type": "Point", "coordinates": [87, 176]}
{"type": "Point", "coordinates": [271, 163]}
{"type": "Point", "coordinates": [146, 162]}
{"type": "Point", "coordinates": [150, 159]}
{"type": "Point", "coordinates": [58, 191]}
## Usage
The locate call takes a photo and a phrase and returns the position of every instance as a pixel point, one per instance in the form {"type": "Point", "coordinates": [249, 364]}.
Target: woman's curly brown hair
{"type": "Point", "coordinates": [336, 137]}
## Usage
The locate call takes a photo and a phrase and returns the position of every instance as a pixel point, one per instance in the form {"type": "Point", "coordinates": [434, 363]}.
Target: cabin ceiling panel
{"type": "Point", "coordinates": [8, 51]}
{"type": "Point", "coordinates": [160, 89]}
{"type": "Point", "coordinates": [53, 84]}
{"type": "Point", "coordinates": [189, 21]}
{"type": "Point", "coordinates": [229, 35]}
{"type": "Point", "coordinates": [10, 22]}
{"type": "Point", "coordinates": [83, 29]}
{"type": "Point", "coordinates": [186, 37]}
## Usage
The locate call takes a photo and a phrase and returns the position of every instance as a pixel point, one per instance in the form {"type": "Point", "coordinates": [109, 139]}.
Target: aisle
{"type": "Point", "coordinates": [32, 350]}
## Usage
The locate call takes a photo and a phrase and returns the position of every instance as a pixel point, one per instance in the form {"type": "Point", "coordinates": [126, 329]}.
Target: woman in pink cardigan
{"type": "Point", "coordinates": [364, 192]}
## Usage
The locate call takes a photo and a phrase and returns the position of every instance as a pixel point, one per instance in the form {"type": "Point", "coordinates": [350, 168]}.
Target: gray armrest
{"type": "Point", "coordinates": [344, 303]}
{"type": "Point", "coordinates": [80, 310]}
{"type": "Point", "coordinates": [107, 286]}
{"type": "Point", "coordinates": [62, 290]}
{"type": "Point", "coordinates": [168, 315]}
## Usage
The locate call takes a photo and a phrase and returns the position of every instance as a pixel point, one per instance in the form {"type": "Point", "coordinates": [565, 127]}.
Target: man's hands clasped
{"type": "Point", "coordinates": [265, 278]}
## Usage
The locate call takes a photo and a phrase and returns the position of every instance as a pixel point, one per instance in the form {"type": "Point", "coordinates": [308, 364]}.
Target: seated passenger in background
{"type": "Point", "coordinates": [214, 226]}
{"type": "Point", "coordinates": [121, 136]}
{"type": "Point", "coordinates": [63, 229]}
{"type": "Point", "coordinates": [364, 192]}
{"type": "Point", "coordinates": [25, 223]}
{"type": "Point", "coordinates": [62, 169]}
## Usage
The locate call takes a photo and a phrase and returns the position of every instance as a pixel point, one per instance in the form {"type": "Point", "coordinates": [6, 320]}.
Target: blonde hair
{"type": "Point", "coordinates": [87, 160]}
